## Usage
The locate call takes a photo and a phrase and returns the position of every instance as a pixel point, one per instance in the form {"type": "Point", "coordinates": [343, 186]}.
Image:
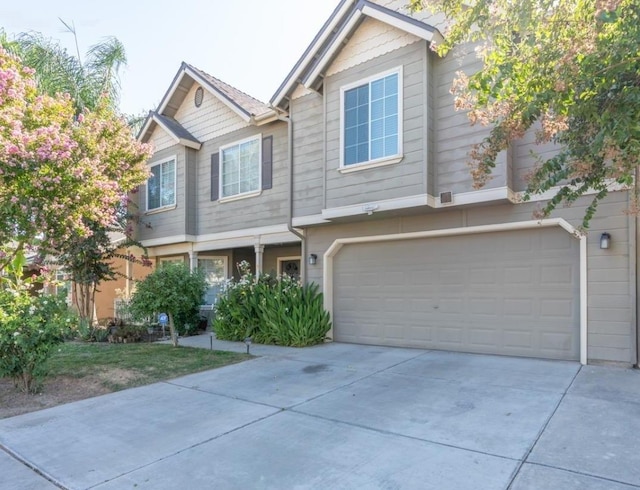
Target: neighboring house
{"type": "Point", "coordinates": [406, 251]}
{"type": "Point", "coordinates": [219, 191]}
{"type": "Point", "coordinates": [109, 293]}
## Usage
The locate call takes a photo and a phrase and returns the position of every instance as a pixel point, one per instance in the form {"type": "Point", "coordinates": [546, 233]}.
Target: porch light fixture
{"type": "Point", "coordinates": [605, 240]}
{"type": "Point", "coordinates": [313, 259]}
{"type": "Point", "coordinates": [247, 342]}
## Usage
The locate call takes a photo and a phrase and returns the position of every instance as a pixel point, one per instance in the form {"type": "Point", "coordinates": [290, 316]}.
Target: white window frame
{"type": "Point", "coordinates": [378, 162]}
{"type": "Point", "coordinates": [224, 258]}
{"type": "Point", "coordinates": [173, 259]}
{"type": "Point", "coordinates": [241, 195]}
{"type": "Point", "coordinates": [167, 207]}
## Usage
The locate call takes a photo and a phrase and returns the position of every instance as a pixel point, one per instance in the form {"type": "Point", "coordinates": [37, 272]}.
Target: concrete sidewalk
{"type": "Point", "coordinates": [342, 416]}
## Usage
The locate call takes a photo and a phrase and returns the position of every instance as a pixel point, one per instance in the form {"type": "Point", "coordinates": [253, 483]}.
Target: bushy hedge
{"type": "Point", "coordinates": [271, 310]}
{"type": "Point", "coordinates": [31, 325]}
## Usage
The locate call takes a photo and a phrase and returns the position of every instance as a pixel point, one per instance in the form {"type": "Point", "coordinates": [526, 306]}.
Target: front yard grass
{"type": "Point", "coordinates": [81, 370]}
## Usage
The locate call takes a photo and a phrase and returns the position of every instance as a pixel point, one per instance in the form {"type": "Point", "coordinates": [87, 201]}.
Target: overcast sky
{"type": "Point", "coordinates": [250, 44]}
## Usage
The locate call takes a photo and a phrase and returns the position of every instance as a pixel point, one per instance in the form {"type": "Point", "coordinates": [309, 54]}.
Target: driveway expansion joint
{"type": "Point", "coordinates": [32, 467]}
{"type": "Point", "coordinates": [404, 436]}
{"type": "Point", "coordinates": [516, 471]}
{"type": "Point", "coordinates": [590, 475]}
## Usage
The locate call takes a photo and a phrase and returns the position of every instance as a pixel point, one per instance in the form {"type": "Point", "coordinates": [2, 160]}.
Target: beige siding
{"type": "Point", "coordinates": [172, 221]}
{"type": "Point", "coordinates": [308, 155]}
{"type": "Point", "coordinates": [269, 208]}
{"type": "Point", "coordinates": [611, 283]}
{"type": "Point", "coordinates": [211, 120]}
{"type": "Point", "coordinates": [300, 91]}
{"type": "Point", "coordinates": [399, 180]}
{"type": "Point", "coordinates": [372, 39]}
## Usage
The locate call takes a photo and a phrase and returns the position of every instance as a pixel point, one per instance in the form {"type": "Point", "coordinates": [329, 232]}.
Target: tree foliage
{"type": "Point", "coordinates": [172, 289]}
{"type": "Point", "coordinates": [570, 69]}
{"type": "Point", "coordinates": [59, 172]}
{"type": "Point", "coordinates": [89, 83]}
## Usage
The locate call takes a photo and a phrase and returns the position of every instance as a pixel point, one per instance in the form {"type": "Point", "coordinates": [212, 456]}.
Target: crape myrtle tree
{"type": "Point", "coordinates": [63, 173]}
{"type": "Point", "coordinates": [93, 88]}
{"type": "Point", "coordinates": [570, 69]}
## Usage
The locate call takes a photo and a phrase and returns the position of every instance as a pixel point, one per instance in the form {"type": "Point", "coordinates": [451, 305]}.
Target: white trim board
{"type": "Point", "coordinates": [335, 247]}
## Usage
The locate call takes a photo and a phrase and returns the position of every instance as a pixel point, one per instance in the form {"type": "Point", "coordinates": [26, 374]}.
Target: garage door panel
{"type": "Point", "coordinates": [513, 293]}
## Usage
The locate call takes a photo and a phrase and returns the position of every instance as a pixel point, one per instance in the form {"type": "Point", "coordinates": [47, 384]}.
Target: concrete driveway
{"type": "Point", "coordinates": [341, 416]}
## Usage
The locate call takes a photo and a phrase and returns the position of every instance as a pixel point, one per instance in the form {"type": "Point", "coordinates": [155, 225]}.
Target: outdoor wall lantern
{"type": "Point", "coordinates": [605, 240]}
{"type": "Point", "coordinates": [313, 259]}
{"type": "Point", "coordinates": [247, 342]}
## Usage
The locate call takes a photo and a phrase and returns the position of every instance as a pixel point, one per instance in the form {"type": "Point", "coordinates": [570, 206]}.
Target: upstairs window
{"type": "Point", "coordinates": [240, 165]}
{"type": "Point", "coordinates": [161, 186]}
{"type": "Point", "coordinates": [371, 119]}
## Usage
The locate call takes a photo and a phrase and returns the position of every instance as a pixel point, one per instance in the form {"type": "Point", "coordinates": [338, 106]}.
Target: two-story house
{"type": "Point", "coordinates": [219, 187]}
{"type": "Point", "coordinates": [370, 169]}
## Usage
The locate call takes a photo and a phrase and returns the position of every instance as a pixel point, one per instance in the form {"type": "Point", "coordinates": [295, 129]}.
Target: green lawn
{"type": "Point", "coordinates": [134, 364]}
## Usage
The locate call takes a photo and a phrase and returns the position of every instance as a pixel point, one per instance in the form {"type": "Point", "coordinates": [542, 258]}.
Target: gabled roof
{"type": "Point", "coordinates": [336, 31]}
{"type": "Point", "coordinates": [171, 126]}
{"type": "Point", "coordinates": [250, 109]}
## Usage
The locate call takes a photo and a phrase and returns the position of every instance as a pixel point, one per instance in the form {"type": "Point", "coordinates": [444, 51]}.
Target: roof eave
{"type": "Point", "coordinates": [310, 52]}
{"type": "Point", "coordinates": [183, 141]}
{"type": "Point", "coordinates": [142, 134]}
{"type": "Point", "coordinates": [196, 145]}
{"type": "Point", "coordinates": [400, 21]}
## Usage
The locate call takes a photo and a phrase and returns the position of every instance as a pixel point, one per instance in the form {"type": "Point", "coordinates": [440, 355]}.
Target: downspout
{"type": "Point", "coordinates": [636, 233]}
{"type": "Point", "coordinates": [303, 243]}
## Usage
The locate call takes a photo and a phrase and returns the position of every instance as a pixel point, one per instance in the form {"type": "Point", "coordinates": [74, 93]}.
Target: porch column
{"type": "Point", "coordinates": [259, 254]}
{"type": "Point", "coordinates": [193, 260]}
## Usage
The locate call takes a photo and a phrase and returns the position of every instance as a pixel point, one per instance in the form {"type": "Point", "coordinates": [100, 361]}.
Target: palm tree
{"type": "Point", "coordinates": [58, 71]}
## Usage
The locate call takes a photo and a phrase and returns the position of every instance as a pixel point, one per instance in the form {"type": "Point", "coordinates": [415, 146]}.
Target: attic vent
{"type": "Point", "coordinates": [446, 197]}
{"type": "Point", "coordinates": [197, 99]}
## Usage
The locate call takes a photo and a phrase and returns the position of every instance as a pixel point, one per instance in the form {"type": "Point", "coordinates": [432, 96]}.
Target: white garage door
{"type": "Point", "coordinates": [513, 293]}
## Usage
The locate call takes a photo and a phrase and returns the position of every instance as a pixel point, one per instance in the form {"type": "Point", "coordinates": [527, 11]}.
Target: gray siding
{"type": "Point", "coordinates": [610, 276]}
{"type": "Point", "coordinates": [526, 153]}
{"type": "Point", "coordinates": [431, 124]}
{"type": "Point", "coordinates": [269, 208]}
{"type": "Point", "coordinates": [455, 135]}
{"type": "Point", "coordinates": [171, 222]}
{"type": "Point", "coordinates": [399, 180]}
{"type": "Point", "coordinates": [190, 210]}
{"type": "Point", "coordinates": [271, 255]}
{"type": "Point", "coordinates": [308, 155]}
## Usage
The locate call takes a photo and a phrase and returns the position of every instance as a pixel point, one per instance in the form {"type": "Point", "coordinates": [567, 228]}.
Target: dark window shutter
{"type": "Point", "coordinates": [267, 162]}
{"type": "Point", "coordinates": [215, 176]}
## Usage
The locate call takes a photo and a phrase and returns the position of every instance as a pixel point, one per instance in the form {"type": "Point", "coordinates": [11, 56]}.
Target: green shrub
{"type": "Point", "coordinates": [88, 332]}
{"type": "Point", "coordinates": [271, 311]}
{"type": "Point", "coordinates": [187, 321]}
{"type": "Point", "coordinates": [293, 315]}
{"type": "Point", "coordinates": [31, 325]}
{"type": "Point", "coordinates": [172, 289]}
